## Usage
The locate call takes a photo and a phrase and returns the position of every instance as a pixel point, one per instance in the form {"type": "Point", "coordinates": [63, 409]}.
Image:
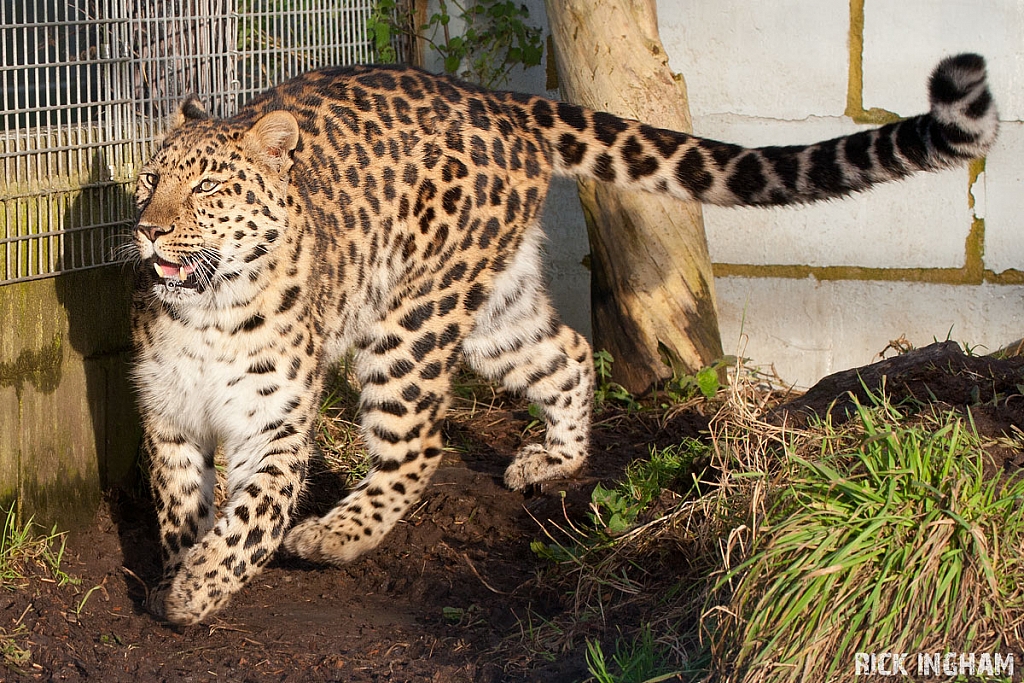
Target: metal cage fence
{"type": "Point", "coordinates": [87, 86]}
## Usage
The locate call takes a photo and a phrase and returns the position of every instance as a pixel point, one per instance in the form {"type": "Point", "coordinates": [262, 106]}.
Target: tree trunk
{"type": "Point", "coordinates": [652, 288]}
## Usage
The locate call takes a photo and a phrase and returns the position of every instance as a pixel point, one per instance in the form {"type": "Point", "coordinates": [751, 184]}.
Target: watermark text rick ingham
{"type": "Point", "coordinates": [934, 664]}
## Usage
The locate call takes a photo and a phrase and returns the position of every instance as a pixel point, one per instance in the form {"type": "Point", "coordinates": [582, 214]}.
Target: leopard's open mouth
{"type": "Point", "coordinates": [186, 275]}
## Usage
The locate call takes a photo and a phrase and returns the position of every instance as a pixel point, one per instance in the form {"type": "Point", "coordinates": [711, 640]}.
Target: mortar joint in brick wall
{"type": "Point", "coordinates": [855, 82]}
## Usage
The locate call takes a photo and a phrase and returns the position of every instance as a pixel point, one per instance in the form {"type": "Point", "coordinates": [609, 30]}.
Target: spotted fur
{"type": "Point", "coordinates": [394, 213]}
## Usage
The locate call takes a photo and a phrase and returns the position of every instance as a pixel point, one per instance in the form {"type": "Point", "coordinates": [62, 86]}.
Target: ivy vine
{"type": "Point", "coordinates": [495, 38]}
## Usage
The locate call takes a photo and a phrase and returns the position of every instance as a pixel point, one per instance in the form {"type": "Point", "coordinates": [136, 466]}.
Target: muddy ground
{"type": "Point", "coordinates": [447, 596]}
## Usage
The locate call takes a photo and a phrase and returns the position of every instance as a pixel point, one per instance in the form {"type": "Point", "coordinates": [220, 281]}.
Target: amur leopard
{"type": "Point", "coordinates": [394, 214]}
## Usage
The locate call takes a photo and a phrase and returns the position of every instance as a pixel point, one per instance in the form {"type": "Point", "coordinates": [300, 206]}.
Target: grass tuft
{"type": "Point", "coordinates": [614, 511]}
{"type": "Point", "coordinates": [636, 660]}
{"type": "Point", "coordinates": [22, 547]}
{"type": "Point", "coordinates": [887, 536]}
{"type": "Point", "coordinates": [25, 553]}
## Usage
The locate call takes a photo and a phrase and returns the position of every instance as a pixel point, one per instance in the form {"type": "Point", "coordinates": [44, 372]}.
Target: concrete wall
{"type": "Point", "coordinates": [67, 420]}
{"type": "Point", "coordinates": [818, 289]}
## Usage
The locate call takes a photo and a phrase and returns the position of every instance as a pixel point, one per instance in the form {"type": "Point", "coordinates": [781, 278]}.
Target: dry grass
{"type": "Point", "coordinates": [804, 547]}
{"type": "Point", "coordinates": [655, 577]}
{"type": "Point", "coordinates": [339, 438]}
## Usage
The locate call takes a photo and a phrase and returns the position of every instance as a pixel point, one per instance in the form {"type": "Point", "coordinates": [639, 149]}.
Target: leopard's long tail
{"type": "Point", "coordinates": [961, 125]}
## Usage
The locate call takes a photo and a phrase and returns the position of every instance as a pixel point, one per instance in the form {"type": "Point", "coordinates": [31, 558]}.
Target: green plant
{"type": "Point", "coordinates": [640, 660]}
{"type": "Point", "coordinates": [607, 390]}
{"type": "Point", "coordinates": [381, 27]}
{"type": "Point", "coordinates": [706, 382]}
{"type": "Point", "coordinates": [461, 616]}
{"type": "Point", "coordinates": [536, 413]}
{"type": "Point", "coordinates": [615, 510]}
{"type": "Point", "coordinates": [85, 599]}
{"type": "Point", "coordinates": [22, 545]}
{"type": "Point", "coordinates": [889, 538]}
{"type": "Point", "coordinates": [975, 350]}
{"type": "Point", "coordinates": [495, 36]}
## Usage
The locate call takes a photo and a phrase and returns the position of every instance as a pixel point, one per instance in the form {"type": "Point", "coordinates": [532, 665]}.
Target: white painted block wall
{"type": "Point", "coordinates": [777, 73]}
{"type": "Point", "coordinates": [786, 81]}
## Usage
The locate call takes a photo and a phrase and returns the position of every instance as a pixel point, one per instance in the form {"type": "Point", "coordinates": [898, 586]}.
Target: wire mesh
{"type": "Point", "coordinates": [88, 84]}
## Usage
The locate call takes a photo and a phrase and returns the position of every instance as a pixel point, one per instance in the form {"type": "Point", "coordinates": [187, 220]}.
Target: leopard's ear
{"type": "Point", "coordinates": [190, 109]}
{"type": "Point", "coordinates": [273, 138]}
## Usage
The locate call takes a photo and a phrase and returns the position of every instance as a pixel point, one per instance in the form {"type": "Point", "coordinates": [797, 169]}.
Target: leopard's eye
{"type": "Point", "coordinates": [206, 186]}
{"type": "Point", "coordinates": [149, 180]}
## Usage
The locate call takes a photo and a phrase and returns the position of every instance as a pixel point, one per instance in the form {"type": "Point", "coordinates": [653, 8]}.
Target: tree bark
{"type": "Point", "coordinates": [652, 288]}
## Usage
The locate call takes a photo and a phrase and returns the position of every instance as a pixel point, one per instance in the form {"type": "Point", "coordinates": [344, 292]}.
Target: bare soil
{"type": "Point", "coordinates": [451, 587]}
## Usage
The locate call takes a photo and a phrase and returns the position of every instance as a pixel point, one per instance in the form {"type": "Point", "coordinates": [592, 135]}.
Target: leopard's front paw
{"type": "Point", "coordinates": [305, 539]}
{"type": "Point", "coordinates": [189, 599]}
{"type": "Point", "coordinates": [156, 599]}
{"type": "Point", "coordinates": [179, 604]}
{"type": "Point", "coordinates": [199, 588]}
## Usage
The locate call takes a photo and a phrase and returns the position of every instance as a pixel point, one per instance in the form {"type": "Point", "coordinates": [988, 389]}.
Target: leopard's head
{"type": "Point", "coordinates": [212, 200]}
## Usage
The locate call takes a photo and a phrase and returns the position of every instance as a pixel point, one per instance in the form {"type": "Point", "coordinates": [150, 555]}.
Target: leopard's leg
{"type": "Point", "coordinates": [519, 340]}
{"type": "Point", "coordinates": [182, 479]}
{"type": "Point", "coordinates": [265, 474]}
{"type": "Point", "coordinates": [404, 376]}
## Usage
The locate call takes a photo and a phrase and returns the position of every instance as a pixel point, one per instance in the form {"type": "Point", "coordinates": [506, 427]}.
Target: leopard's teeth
{"type": "Point", "coordinates": [182, 274]}
{"type": "Point", "coordinates": [159, 272]}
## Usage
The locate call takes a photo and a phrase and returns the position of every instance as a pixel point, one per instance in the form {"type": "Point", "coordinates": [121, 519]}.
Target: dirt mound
{"type": "Point", "coordinates": [985, 389]}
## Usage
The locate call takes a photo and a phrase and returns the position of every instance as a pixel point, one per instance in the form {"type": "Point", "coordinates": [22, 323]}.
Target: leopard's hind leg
{"type": "Point", "coordinates": [404, 372]}
{"type": "Point", "coordinates": [519, 340]}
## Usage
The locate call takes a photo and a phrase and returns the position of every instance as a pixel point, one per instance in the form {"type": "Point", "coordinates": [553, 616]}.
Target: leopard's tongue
{"type": "Point", "coordinates": [166, 269]}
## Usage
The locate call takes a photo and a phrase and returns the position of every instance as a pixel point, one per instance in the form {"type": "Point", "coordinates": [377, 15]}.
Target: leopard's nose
{"type": "Point", "coordinates": [152, 231]}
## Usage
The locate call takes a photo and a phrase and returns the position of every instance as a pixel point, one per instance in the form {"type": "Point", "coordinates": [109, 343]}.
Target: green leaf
{"type": "Point", "coordinates": [602, 496]}
{"type": "Point", "coordinates": [618, 523]}
{"type": "Point", "coordinates": [453, 614]}
{"type": "Point", "coordinates": [532, 55]}
{"type": "Point", "coordinates": [707, 382]}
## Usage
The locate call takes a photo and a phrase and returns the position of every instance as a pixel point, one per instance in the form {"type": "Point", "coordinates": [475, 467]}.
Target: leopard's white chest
{"type": "Point", "coordinates": [211, 384]}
